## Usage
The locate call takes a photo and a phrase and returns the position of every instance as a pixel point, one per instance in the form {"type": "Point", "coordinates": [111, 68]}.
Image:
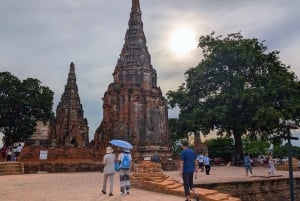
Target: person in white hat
{"type": "Point", "coordinates": [109, 170]}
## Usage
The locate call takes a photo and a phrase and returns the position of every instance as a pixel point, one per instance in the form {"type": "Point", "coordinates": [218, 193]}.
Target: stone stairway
{"type": "Point", "coordinates": [149, 176]}
{"type": "Point", "coordinates": [7, 168]}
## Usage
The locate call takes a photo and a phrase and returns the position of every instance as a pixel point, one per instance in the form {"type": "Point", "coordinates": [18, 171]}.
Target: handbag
{"type": "Point", "coordinates": [117, 166]}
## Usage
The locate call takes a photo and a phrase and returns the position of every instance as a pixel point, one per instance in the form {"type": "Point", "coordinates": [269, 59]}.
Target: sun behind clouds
{"type": "Point", "coordinates": [182, 41]}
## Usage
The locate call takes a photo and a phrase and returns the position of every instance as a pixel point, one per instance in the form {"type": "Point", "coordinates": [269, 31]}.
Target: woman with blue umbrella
{"type": "Point", "coordinates": [124, 159]}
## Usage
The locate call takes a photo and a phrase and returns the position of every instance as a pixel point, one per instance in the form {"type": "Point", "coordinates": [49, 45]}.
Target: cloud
{"type": "Point", "coordinates": [40, 39]}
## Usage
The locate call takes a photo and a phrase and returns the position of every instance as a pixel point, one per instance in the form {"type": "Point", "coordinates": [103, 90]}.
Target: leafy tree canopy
{"type": "Point", "coordinates": [221, 147]}
{"type": "Point", "coordinates": [236, 89]}
{"type": "Point", "coordinates": [22, 104]}
{"type": "Point", "coordinates": [256, 147]}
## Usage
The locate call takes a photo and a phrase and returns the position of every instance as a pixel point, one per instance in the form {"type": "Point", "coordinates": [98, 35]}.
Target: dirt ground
{"type": "Point", "coordinates": [87, 186]}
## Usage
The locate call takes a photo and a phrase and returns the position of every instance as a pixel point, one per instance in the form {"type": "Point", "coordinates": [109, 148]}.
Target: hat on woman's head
{"type": "Point", "coordinates": [109, 150]}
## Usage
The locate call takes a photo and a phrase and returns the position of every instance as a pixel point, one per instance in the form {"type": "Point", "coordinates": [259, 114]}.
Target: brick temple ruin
{"type": "Point", "coordinates": [134, 109]}
{"type": "Point", "coordinates": [70, 128]}
{"type": "Point", "coordinates": [65, 139]}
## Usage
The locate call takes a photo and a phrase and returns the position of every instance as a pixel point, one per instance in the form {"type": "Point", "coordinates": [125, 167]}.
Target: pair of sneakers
{"type": "Point", "coordinates": [123, 192]}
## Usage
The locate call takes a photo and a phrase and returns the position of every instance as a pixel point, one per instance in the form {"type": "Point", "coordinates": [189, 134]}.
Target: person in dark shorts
{"type": "Point", "coordinates": [188, 165]}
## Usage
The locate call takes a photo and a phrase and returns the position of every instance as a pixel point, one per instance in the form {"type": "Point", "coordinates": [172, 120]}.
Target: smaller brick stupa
{"type": "Point", "coordinates": [66, 148]}
{"type": "Point", "coordinates": [70, 128]}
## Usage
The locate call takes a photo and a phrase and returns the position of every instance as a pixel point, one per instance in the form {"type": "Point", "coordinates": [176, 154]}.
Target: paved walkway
{"type": "Point", "coordinates": [87, 186]}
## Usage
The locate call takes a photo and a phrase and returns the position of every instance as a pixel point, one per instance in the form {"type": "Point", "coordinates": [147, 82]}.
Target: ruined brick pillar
{"type": "Point", "coordinates": [70, 128]}
{"type": "Point", "coordinates": [133, 106]}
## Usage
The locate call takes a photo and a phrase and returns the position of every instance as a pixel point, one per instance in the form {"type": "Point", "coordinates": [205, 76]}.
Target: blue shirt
{"type": "Point", "coordinates": [188, 157]}
{"type": "Point", "coordinates": [247, 160]}
{"type": "Point", "coordinates": [206, 160]}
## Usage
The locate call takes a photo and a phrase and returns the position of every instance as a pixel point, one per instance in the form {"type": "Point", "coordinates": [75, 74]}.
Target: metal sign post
{"type": "Point", "coordinates": [289, 124]}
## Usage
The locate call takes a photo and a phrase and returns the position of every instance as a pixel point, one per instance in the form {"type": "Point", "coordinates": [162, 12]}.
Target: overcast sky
{"type": "Point", "coordinates": [39, 39]}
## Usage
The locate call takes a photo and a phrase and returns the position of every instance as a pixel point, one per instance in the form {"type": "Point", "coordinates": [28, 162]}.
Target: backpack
{"type": "Point", "coordinates": [125, 163]}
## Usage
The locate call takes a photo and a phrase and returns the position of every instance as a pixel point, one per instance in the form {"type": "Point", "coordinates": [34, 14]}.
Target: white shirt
{"type": "Point", "coordinates": [19, 149]}
{"type": "Point", "coordinates": [109, 161]}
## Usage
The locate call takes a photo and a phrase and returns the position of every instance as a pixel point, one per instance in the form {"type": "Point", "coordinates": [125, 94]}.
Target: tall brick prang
{"type": "Point", "coordinates": [70, 128]}
{"type": "Point", "coordinates": [133, 106]}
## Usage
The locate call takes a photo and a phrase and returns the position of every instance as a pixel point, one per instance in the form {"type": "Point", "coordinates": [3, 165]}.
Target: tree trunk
{"type": "Point", "coordinates": [197, 142]}
{"type": "Point", "coordinates": [197, 137]}
{"type": "Point", "coordinates": [238, 147]}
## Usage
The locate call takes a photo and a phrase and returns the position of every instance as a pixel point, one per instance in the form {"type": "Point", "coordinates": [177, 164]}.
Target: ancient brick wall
{"type": "Point", "coordinates": [263, 190]}
{"type": "Point", "coordinates": [61, 159]}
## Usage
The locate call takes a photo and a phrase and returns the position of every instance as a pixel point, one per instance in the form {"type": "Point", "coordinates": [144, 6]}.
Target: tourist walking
{"type": "Point", "coordinates": [248, 164]}
{"type": "Point", "coordinates": [18, 151]}
{"type": "Point", "coordinates": [200, 160]}
{"type": "Point", "coordinates": [9, 153]}
{"type": "Point", "coordinates": [271, 165]}
{"type": "Point", "coordinates": [125, 159]}
{"type": "Point", "coordinates": [206, 162]}
{"type": "Point", "coordinates": [188, 165]}
{"type": "Point", "coordinates": [109, 170]}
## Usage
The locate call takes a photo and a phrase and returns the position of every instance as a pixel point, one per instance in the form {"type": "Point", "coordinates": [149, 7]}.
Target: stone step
{"type": "Point", "coordinates": [169, 185]}
{"type": "Point", "coordinates": [7, 168]}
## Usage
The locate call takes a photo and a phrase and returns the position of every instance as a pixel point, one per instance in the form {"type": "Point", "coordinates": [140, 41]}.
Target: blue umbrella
{"type": "Point", "coordinates": [121, 143]}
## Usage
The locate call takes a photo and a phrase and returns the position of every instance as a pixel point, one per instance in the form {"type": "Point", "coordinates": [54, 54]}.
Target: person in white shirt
{"type": "Point", "coordinates": [109, 170]}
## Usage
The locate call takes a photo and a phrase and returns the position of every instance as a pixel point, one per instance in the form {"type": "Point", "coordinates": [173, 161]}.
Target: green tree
{"type": "Point", "coordinates": [235, 89]}
{"type": "Point", "coordinates": [256, 147]}
{"type": "Point", "coordinates": [22, 104]}
{"type": "Point", "coordinates": [221, 147]}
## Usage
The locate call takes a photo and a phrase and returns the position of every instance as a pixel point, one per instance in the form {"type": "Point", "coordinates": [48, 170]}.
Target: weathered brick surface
{"type": "Point", "coordinates": [276, 189]}
{"type": "Point", "coordinates": [61, 159]}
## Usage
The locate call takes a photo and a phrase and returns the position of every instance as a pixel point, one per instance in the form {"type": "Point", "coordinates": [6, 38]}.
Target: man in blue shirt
{"type": "Point", "coordinates": [188, 165]}
{"type": "Point", "coordinates": [206, 162]}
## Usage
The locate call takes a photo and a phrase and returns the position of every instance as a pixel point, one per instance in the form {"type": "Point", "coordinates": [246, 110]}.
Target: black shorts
{"type": "Point", "coordinates": [200, 165]}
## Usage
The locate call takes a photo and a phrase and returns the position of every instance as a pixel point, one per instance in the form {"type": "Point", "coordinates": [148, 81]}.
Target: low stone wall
{"type": "Point", "coordinates": [61, 159]}
{"type": "Point", "coordinates": [261, 190]}
{"type": "Point", "coordinates": [32, 153]}
{"type": "Point", "coordinates": [51, 167]}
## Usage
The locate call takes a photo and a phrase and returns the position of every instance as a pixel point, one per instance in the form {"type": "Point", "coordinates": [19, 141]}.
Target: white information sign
{"type": "Point", "coordinates": [43, 154]}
